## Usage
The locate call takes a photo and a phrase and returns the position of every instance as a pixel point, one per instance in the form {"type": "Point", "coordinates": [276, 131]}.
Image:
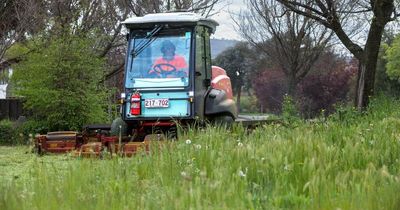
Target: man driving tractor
{"type": "Point", "coordinates": [169, 65]}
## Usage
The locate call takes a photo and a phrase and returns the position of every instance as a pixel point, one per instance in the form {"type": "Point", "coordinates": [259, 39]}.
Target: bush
{"type": "Point", "coordinates": [248, 104]}
{"type": "Point", "coordinates": [384, 83]}
{"type": "Point", "coordinates": [33, 127]}
{"type": "Point", "coordinates": [289, 109]}
{"type": "Point", "coordinates": [7, 133]}
{"type": "Point", "coordinates": [10, 134]}
{"type": "Point", "coordinates": [60, 82]}
{"type": "Point", "coordinates": [319, 93]}
{"type": "Point", "coordinates": [269, 87]}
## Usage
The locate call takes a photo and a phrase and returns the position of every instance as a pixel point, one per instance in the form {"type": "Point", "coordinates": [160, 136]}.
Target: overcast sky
{"type": "Point", "coordinates": [226, 29]}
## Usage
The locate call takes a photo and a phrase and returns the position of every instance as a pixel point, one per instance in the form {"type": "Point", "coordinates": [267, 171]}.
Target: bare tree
{"type": "Point", "coordinates": [294, 42]}
{"type": "Point", "coordinates": [18, 19]}
{"type": "Point", "coordinates": [335, 14]}
{"type": "Point", "coordinates": [142, 7]}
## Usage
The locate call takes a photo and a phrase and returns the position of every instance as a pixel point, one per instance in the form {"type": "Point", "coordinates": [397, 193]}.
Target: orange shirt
{"type": "Point", "coordinates": [178, 62]}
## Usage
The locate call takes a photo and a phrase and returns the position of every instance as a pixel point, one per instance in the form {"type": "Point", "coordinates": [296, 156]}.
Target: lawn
{"type": "Point", "coordinates": [346, 161]}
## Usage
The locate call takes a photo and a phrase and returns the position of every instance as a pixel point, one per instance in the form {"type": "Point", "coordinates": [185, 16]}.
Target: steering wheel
{"type": "Point", "coordinates": [164, 68]}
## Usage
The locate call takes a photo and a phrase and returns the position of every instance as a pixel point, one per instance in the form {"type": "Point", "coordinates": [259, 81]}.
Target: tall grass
{"type": "Point", "coordinates": [347, 161]}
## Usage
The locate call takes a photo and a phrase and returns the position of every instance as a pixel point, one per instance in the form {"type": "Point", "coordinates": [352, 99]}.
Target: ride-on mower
{"type": "Point", "coordinates": [169, 80]}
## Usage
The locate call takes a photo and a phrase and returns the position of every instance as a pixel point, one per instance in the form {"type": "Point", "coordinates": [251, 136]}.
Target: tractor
{"type": "Point", "coordinates": [168, 81]}
{"type": "Point", "coordinates": [169, 78]}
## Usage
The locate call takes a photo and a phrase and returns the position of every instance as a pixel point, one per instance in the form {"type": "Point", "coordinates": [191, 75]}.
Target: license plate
{"type": "Point", "coordinates": [156, 103]}
{"type": "Point", "coordinates": [53, 145]}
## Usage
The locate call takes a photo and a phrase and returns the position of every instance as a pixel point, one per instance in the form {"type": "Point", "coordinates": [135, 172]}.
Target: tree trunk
{"type": "Point", "coordinates": [291, 85]}
{"type": "Point", "coordinates": [367, 67]}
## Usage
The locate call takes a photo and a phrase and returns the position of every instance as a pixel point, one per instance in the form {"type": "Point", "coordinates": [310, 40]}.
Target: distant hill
{"type": "Point", "coordinates": [219, 45]}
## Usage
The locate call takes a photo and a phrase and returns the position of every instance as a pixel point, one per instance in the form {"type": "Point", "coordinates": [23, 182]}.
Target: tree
{"type": "Point", "coordinates": [383, 83]}
{"type": "Point", "coordinates": [393, 60]}
{"type": "Point", "coordinates": [327, 83]}
{"type": "Point", "coordinates": [270, 88]}
{"type": "Point", "coordinates": [293, 42]}
{"type": "Point", "coordinates": [320, 92]}
{"type": "Point", "coordinates": [142, 7]}
{"type": "Point", "coordinates": [237, 62]}
{"type": "Point", "coordinates": [60, 81]}
{"type": "Point", "coordinates": [18, 19]}
{"type": "Point", "coordinates": [340, 17]}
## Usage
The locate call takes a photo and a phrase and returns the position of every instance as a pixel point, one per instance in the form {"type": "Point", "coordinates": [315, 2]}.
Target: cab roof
{"type": "Point", "coordinates": [175, 18]}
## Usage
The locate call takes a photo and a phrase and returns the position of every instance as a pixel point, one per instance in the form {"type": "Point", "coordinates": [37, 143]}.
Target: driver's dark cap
{"type": "Point", "coordinates": [167, 45]}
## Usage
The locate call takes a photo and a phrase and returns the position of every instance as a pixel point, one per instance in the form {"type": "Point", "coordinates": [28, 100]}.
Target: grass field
{"type": "Point", "coordinates": [348, 161]}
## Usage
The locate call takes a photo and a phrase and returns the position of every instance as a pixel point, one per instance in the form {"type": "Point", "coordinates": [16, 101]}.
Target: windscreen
{"type": "Point", "coordinates": [159, 60]}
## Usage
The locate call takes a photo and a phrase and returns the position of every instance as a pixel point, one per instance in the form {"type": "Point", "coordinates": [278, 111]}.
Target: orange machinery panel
{"type": "Point", "coordinates": [221, 81]}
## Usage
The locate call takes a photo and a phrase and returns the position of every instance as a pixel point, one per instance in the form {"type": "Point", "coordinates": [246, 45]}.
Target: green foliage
{"type": "Point", "coordinates": [17, 50]}
{"type": "Point", "coordinates": [289, 109]}
{"type": "Point", "coordinates": [348, 162]}
{"type": "Point", "coordinates": [393, 59]}
{"type": "Point", "coordinates": [383, 83]}
{"type": "Point", "coordinates": [248, 104]}
{"type": "Point", "coordinates": [60, 80]}
{"type": "Point", "coordinates": [10, 134]}
{"type": "Point", "coordinates": [32, 127]}
{"type": "Point", "coordinates": [6, 132]}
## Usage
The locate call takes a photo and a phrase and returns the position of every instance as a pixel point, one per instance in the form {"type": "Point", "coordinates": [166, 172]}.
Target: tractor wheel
{"type": "Point", "coordinates": [223, 120]}
{"type": "Point", "coordinates": [172, 134]}
{"type": "Point", "coordinates": [115, 127]}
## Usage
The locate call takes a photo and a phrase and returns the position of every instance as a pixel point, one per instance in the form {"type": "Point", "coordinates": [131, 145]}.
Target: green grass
{"type": "Point", "coordinates": [348, 161]}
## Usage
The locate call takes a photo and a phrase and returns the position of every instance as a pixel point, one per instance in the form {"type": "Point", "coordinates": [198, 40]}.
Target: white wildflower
{"type": "Point", "coordinates": [188, 141]}
{"type": "Point", "coordinates": [240, 144]}
{"type": "Point", "coordinates": [183, 174]}
{"type": "Point", "coordinates": [242, 174]}
{"type": "Point", "coordinates": [197, 146]}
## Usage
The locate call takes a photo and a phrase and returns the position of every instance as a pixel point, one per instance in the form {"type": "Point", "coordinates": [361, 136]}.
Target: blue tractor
{"type": "Point", "coordinates": [169, 78]}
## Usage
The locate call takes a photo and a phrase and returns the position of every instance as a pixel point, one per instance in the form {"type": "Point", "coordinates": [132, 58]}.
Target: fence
{"type": "Point", "coordinates": [10, 109]}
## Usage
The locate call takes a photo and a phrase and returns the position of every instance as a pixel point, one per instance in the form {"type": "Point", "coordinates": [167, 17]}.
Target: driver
{"type": "Point", "coordinates": [169, 65]}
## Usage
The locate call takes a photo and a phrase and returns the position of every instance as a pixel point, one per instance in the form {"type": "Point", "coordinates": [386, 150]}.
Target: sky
{"type": "Point", "coordinates": [226, 28]}
{"type": "Point", "coordinates": [3, 89]}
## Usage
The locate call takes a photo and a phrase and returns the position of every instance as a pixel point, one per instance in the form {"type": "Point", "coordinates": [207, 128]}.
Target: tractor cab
{"type": "Point", "coordinates": [168, 72]}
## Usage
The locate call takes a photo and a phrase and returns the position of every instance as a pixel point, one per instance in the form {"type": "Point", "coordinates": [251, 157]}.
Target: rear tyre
{"type": "Point", "coordinates": [115, 127]}
{"type": "Point", "coordinates": [172, 134]}
{"type": "Point", "coordinates": [223, 120]}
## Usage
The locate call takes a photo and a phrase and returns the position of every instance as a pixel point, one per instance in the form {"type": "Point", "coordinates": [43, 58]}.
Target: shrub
{"type": "Point", "coordinates": [60, 81]}
{"type": "Point", "coordinates": [248, 104]}
{"type": "Point", "coordinates": [10, 134]}
{"type": "Point", "coordinates": [7, 133]}
{"type": "Point", "coordinates": [319, 93]}
{"type": "Point", "coordinates": [269, 87]}
{"type": "Point", "coordinates": [289, 109]}
{"type": "Point", "coordinates": [33, 127]}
